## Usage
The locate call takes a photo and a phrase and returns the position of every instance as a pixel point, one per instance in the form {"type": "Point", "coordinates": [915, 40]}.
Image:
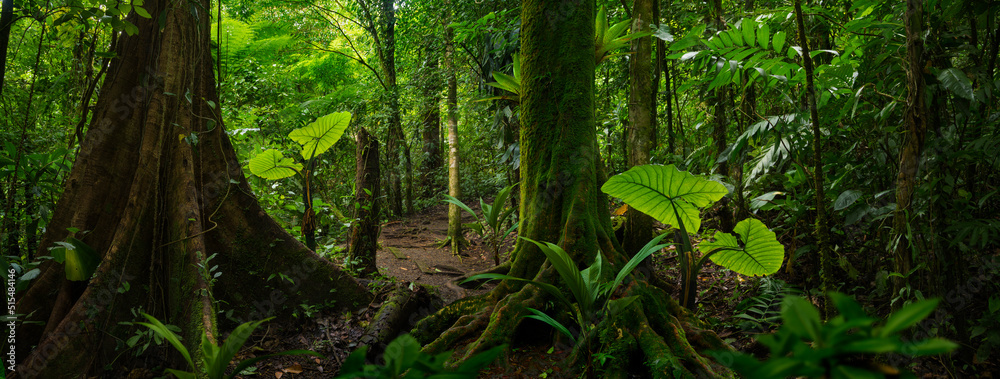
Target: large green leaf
{"type": "Point", "coordinates": [271, 164]}
{"type": "Point", "coordinates": [954, 80]}
{"type": "Point", "coordinates": [757, 252]}
{"type": "Point", "coordinates": [664, 193]}
{"type": "Point", "coordinates": [908, 316]}
{"type": "Point", "coordinates": [317, 137]}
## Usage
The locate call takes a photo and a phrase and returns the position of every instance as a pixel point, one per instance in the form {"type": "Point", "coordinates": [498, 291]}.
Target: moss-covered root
{"type": "Point", "coordinates": [457, 313]}
{"type": "Point", "coordinates": [483, 322]}
{"type": "Point", "coordinates": [647, 335]}
{"type": "Point", "coordinates": [394, 314]}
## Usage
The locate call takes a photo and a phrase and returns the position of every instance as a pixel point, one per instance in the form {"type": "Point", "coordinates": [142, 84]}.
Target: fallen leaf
{"type": "Point", "coordinates": [278, 374]}
{"type": "Point", "coordinates": [295, 369]}
{"type": "Point", "coordinates": [316, 359]}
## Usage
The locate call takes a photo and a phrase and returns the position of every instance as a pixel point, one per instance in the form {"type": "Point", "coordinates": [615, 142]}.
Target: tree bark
{"type": "Point", "coordinates": [821, 228]}
{"type": "Point", "coordinates": [562, 203]}
{"type": "Point", "coordinates": [366, 225]}
{"type": "Point", "coordinates": [641, 132]}
{"type": "Point", "coordinates": [455, 237]}
{"type": "Point", "coordinates": [157, 204]}
{"type": "Point", "coordinates": [6, 21]}
{"type": "Point", "coordinates": [397, 150]}
{"type": "Point", "coordinates": [915, 123]}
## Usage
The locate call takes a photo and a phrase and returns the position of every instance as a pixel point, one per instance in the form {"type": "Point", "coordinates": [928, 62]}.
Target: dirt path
{"type": "Point", "coordinates": [408, 251]}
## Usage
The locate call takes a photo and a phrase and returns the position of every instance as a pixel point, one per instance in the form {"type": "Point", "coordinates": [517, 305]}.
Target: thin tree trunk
{"type": "Point", "coordinates": [662, 67]}
{"type": "Point", "coordinates": [642, 120]}
{"type": "Point", "coordinates": [915, 122]}
{"type": "Point", "coordinates": [157, 207]}
{"type": "Point", "coordinates": [6, 21]}
{"type": "Point", "coordinates": [721, 100]}
{"type": "Point", "coordinates": [822, 229]}
{"type": "Point", "coordinates": [455, 237]}
{"type": "Point", "coordinates": [397, 150]}
{"type": "Point", "coordinates": [365, 228]}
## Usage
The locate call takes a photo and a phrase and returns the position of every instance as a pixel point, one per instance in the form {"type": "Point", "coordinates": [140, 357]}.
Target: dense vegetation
{"type": "Point", "coordinates": [861, 136]}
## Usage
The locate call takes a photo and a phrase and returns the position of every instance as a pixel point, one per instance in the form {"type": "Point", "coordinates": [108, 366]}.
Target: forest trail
{"type": "Point", "coordinates": [408, 251]}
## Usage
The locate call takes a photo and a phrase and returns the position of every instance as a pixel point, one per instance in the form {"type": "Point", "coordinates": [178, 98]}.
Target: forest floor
{"type": "Point", "coordinates": [410, 253]}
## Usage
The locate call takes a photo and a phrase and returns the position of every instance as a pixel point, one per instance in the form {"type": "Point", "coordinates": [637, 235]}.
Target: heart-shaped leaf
{"type": "Point", "coordinates": [757, 252]}
{"type": "Point", "coordinates": [319, 136]}
{"type": "Point", "coordinates": [271, 165]}
{"type": "Point", "coordinates": [666, 193]}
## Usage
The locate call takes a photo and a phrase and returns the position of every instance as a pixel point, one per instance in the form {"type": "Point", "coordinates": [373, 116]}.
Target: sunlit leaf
{"type": "Point", "coordinates": [319, 136]}
{"type": "Point", "coordinates": [271, 165]}
{"type": "Point", "coordinates": [664, 193]}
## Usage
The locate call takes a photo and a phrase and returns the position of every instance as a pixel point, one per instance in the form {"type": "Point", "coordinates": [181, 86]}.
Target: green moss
{"type": "Point", "coordinates": [430, 327]}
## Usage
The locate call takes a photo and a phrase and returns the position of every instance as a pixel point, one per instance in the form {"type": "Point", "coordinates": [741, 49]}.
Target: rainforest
{"type": "Point", "coordinates": [500, 188]}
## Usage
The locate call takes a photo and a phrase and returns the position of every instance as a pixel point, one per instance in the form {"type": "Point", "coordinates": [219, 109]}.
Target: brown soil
{"type": "Point", "coordinates": [415, 240]}
{"type": "Point", "coordinates": [409, 251]}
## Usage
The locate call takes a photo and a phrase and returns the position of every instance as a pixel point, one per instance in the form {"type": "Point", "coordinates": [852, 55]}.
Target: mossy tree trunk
{"type": "Point", "coordinates": [155, 203]}
{"type": "Point", "coordinates": [561, 202]}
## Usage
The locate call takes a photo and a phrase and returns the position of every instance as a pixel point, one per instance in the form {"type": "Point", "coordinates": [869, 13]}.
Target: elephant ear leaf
{"type": "Point", "coordinates": [664, 193]}
{"type": "Point", "coordinates": [317, 137]}
{"type": "Point", "coordinates": [271, 165]}
{"type": "Point", "coordinates": [757, 252]}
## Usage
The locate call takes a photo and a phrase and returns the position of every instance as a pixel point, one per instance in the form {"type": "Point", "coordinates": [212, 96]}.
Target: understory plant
{"type": "Point", "coordinates": [214, 358]}
{"type": "Point", "coordinates": [489, 224]}
{"type": "Point", "coordinates": [591, 287]}
{"type": "Point", "coordinates": [315, 138]}
{"type": "Point", "coordinates": [675, 198]}
{"type": "Point", "coordinates": [842, 347]}
{"type": "Point", "coordinates": [403, 359]}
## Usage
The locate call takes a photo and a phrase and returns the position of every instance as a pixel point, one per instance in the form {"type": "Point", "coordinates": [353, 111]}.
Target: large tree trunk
{"type": "Point", "coordinates": [641, 132]}
{"type": "Point", "coordinates": [562, 203]}
{"type": "Point", "coordinates": [156, 204]}
{"type": "Point", "coordinates": [366, 224]}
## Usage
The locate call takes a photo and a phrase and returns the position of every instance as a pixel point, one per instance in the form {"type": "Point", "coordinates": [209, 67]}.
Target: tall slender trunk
{"type": "Point", "coordinates": [664, 69]}
{"type": "Point", "coordinates": [721, 99]}
{"type": "Point", "coordinates": [398, 151]}
{"type": "Point", "coordinates": [822, 229]}
{"type": "Point", "coordinates": [6, 21]}
{"type": "Point", "coordinates": [454, 186]}
{"type": "Point", "coordinates": [915, 121]}
{"type": "Point", "coordinates": [641, 130]}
